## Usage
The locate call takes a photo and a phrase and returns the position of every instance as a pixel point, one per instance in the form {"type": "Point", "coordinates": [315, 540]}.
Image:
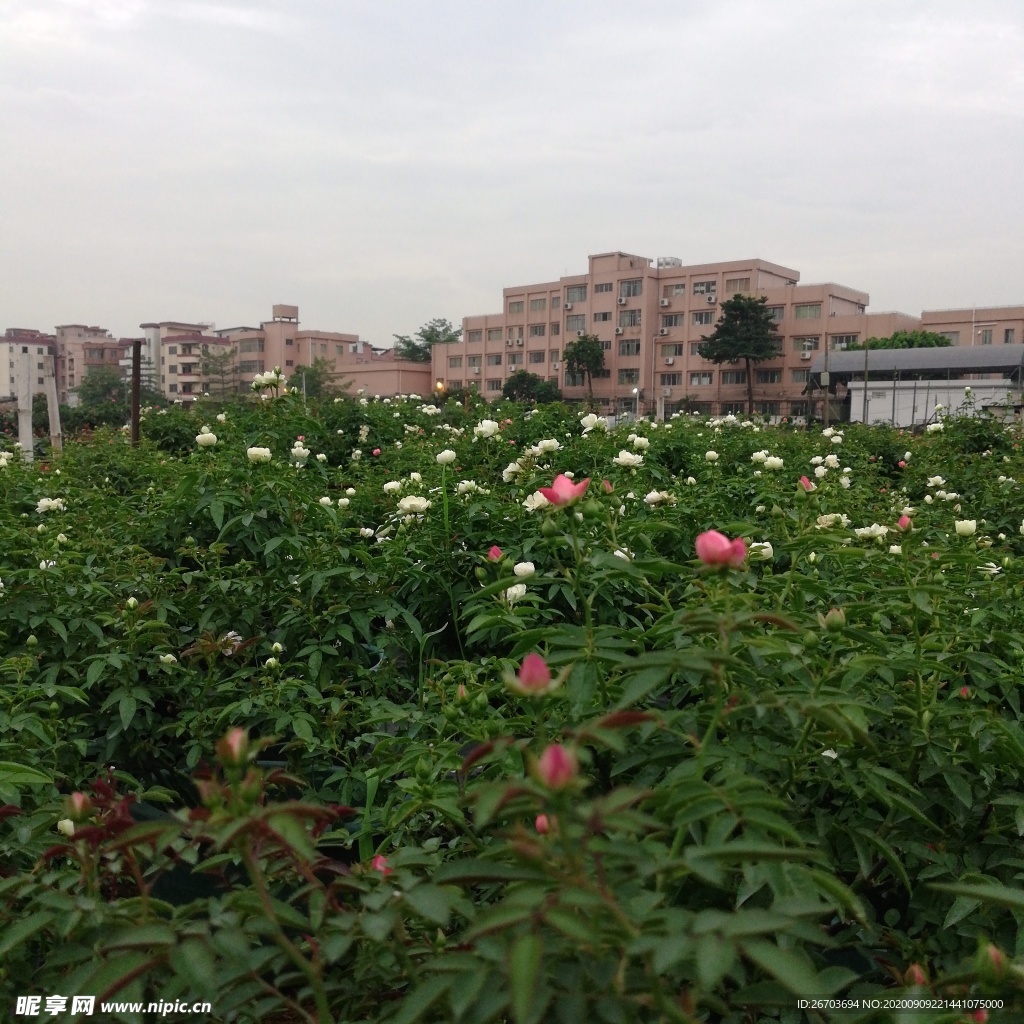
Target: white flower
{"type": "Point", "coordinates": [773, 462]}
{"type": "Point", "coordinates": [837, 438]}
{"type": "Point", "coordinates": [350, 491]}
{"type": "Point", "coordinates": [272, 663]}
{"type": "Point", "coordinates": [817, 460]}
{"type": "Point", "coordinates": [928, 499]}
{"type": "Point", "coordinates": [168, 659]}
{"type": "Point", "coordinates": [258, 454]}
{"type": "Point", "coordinates": [44, 564]}
{"type": "Point", "coordinates": [486, 428]}
{"type": "Point", "coordinates": [446, 457]}
{"type": "Point", "coordinates": [524, 569]}
{"type": "Point", "coordinates": [830, 754]}
{"type": "Point", "coordinates": [820, 471]}
{"type": "Point", "coordinates": [321, 457]}
{"type": "Point", "coordinates": [691, 481]}
{"type": "Point", "coordinates": [222, 417]}
{"type": "Point", "coordinates": [414, 504]}
{"type": "Point", "coordinates": [356, 455]}
{"type": "Point", "coordinates": [132, 603]}
{"type": "Point", "coordinates": [965, 527]}
{"type": "Point", "coordinates": [656, 497]}
{"type": "Point", "coordinates": [50, 505]}
{"type": "Point", "coordinates": [343, 503]}
{"type": "Point", "coordinates": [61, 539]}
{"type": "Point", "coordinates": [466, 487]}
{"type": "Point", "coordinates": [761, 551]}
{"type": "Point", "coordinates": [592, 421]}
{"type": "Point", "coordinates": [626, 556]}
{"type": "Point", "coordinates": [365, 531]}
{"type": "Point", "coordinates": [416, 478]}
{"type": "Point", "coordinates": [299, 452]}
{"type": "Point", "coordinates": [392, 486]}
{"type": "Point", "coordinates": [812, 557]}
{"type": "Point", "coordinates": [845, 481]}
{"type": "Point", "coordinates": [66, 827]}
{"type": "Point", "coordinates": [628, 458]}
{"type": "Point", "coordinates": [872, 532]}
{"type": "Point", "coordinates": [537, 501]}
{"type": "Point", "coordinates": [828, 431]}
{"type": "Point", "coordinates": [895, 549]}
{"type": "Point", "coordinates": [991, 568]}
{"type": "Point", "coordinates": [206, 439]}
{"type": "Point", "coordinates": [569, 474]}
{"type": "Point", "coordinates": [933, 428]}
{"type": "Point", "coordinates": [760, 508]}
{"type": "Point", "coordinates": [967, 391]}
{"type": "Point", "coordinates": [364, 401]}
{"type": "Point", "coordinates": [759, 456]}
{"type": "Point", "coordinates": [641, 442]}
{"type": "Point", "coordinates": [515, 593]}
{"type": "Point", "coordinates": [549, 444]}
{"type": "Point", "coordinates": [711, 456]}
{"type": "Point", "coordinates": [832, 460]}
{"type": "Point", "coordinates": [935, 481]}
{"type": "Point", "coordinates": [325, 501]}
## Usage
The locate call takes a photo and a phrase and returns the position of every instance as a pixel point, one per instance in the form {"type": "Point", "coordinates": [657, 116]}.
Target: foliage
{"type": "Point", "coordinates": [417, 349]}
{"type": "Point", "coordinates": [585, 355]}
{"type": "Point", "coordinates": [523, 386]}
{"type": "Point", "coordinates": [904, 339]}
{"type": "Point", "coordinates": [747, 331]}
{"type": "Point", "coordinates": [220, 372]}
{"type": "Point", "coordinates": [316, 381]}
{"type": "Point", "coordinates": [313, 794]}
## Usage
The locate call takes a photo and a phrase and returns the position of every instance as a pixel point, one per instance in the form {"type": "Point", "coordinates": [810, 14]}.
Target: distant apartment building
{"type": "Point", "coordinates": [22, 340]}
{"type": "Point", "coordinates": [651, 318]}
{"type": "Point", "coordinates": [978, 325]}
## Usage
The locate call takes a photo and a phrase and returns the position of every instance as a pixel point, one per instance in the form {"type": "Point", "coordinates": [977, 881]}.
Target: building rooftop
{"type": "Point", "coordinates": [887, 363]}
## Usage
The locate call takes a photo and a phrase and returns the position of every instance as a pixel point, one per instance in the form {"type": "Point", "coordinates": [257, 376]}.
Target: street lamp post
{"type": "Point", "coordinates": [636, 404]}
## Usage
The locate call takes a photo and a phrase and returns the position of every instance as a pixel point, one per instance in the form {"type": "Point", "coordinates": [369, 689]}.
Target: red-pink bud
{"type": "Point", "coordinates": [915, 975]}
{"type": "Point", "coordinates": [494, 554]}
{"type": "Point", "coordinates": [380, 863]}
{"type": "Point", "coordinates": [965, 692]}
{"type": "Point", "coordinates": [233, 749]}
{"type": "Point", "coordinates": [806, 484]}
{"type": "Point", "coordinates": [557, 767]}
{"type": "Point", "coordinates": [607, 485]}
{"type": "Point", "coordinates": [904, 522]}
{"type": "Point", "coordinates": [714, 548]}
{"type": "Point", "coordinates": [533, 678]}
{"type": "Point", "coordinates": [901, 464]}
{"type": "Point", "coordinates": [461, 692]}
{"type": "Point", "coordinates": [79, 806]}
{"type": "Point", "coordinates": [376, 451]}
{"type": "Point", "coordinates": [563, 491]}
{"type": "Point", "coordinates": [542, 825]}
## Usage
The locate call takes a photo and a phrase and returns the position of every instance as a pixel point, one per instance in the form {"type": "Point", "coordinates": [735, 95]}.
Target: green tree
{"type": "Point", "coordinates": [417, 348]}
{"type": "Point", "coordinates": [585, 355]}
{"type": "Point", "coordinates": [102, 385]}
{"type": "Point", "coordinates": [746, 331]}
{"type": "Point", "coordinates": [547, 392]}
{"type": "Point", "coordinates": [318, 378]}
{"type": "Point", "coordinates": [904, 339]}
{"type": "Point", "coordinates": [521, 386]}
{"type": "Point", "coordinates": [220, 371]}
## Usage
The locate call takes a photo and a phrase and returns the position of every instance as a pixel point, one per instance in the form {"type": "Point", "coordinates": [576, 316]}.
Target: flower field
{"type": "Point", "coordinates": [385, 711]}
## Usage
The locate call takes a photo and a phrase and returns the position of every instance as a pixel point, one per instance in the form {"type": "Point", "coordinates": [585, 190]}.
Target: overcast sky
{"type": "Point", "coordinates": [383, 163]}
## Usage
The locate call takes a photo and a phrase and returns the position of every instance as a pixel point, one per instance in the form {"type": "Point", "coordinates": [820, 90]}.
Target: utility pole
{"type": "Point", "coordinates": [136, 389]}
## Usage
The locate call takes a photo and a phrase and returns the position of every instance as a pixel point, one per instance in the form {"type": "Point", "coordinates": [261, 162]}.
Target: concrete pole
{"type": "Point", "coordinates": [52, 406]}
{"type": "Point", "coordinates": [23, 385]}
{"type": "Point", "coordinates": [136, 389]}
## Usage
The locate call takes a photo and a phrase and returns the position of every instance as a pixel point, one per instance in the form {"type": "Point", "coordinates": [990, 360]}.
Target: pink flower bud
{"type": "Point", "coordinates": [901, 464]}
{"type": "Point", "coordinates": [714, 548]}
{"type": "Point", "coordinates": [904, 522]}
{"type": "Point", "coordinates": [233, 749]}
{"type": "Point", "coordinates": [965, 692]}
{"type": "Point", "coordinates": [533, 678]}
{"type": "Point", "coordinates": [78, 806]}
{"type": "Point", "coordinates": [494, 555]}
{"type": "Point", "coordinates": [461, 692]}
{"type": "Point", "coordinates": [376, 451]}
{"type": "Point", "coordinates": [563, 491]}
{"type": "Point", "coordinates": [380, 863]}
{"type": "Point", "coordinates": [542, 825]}
{"type": "Point", "coordinates": [557, 767]}
{"type": "Point", "coordinates": [806, 484]}
{"type": "Point", "coordinates": [915, 975]}
{"type": "Point", "coordinates": [607, 485]}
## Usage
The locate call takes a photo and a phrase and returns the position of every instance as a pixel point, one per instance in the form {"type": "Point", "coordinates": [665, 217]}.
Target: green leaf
{"type": "Point", "coordinates": [14, 935]}
{"type": "Point", "coordinates": [416, 1004]}
{"type": "Point", "coordinates": [13, 774]}
{"type": "Point", "coordinates": [193, 962]}
{"type": "Point", "coordinates": [126, 706]}
{"type": "Point", "coordinates": [786, 967]}
{"type": "Point", "coordinates": [962, 907]}
{"type": "Point", "coordinates": [523, 970]}
{"type": "Point", "coordinates": [715, 956]}
{"type": "Point", "coordinates": [1001, 895]}
{"type": "Point", "coordinates": [217, 512]}
{"type": "Point", "coordinates": [431, 902]}
{"type": "Point", "coordinates": [959, 788]}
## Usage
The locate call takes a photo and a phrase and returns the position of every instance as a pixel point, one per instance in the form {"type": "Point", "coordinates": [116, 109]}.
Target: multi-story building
{"type": "Point", "coordinates": [978, 325]}
{"type": "Point", "coordinates": [19, 340]}
{"type": "Point", "coordinates": [651, 318]}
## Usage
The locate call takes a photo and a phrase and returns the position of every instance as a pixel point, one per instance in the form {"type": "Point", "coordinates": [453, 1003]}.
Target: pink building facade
{"type": "Point", "coordinates": [978, 325]}
{"type": "Point", "coordinates": [651, 318]}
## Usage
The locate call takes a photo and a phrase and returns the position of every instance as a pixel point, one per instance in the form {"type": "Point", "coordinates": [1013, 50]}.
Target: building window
{"type": "Point", "coordinates": [629, 376]}
{"type": "Point", "coordinates": [553, 353]}
{"type": "Point", "coordinates": [339, 350]}
{"type": "Point", "coordinates": [173, 368]}
{"type": "Point", "coordinates": [455, 384]}
{"type": "Point", "coordinates": [953, 336]}
{"type": "Point", "coordinates": [515, 359]}
{"type": "Point", "coordinates": [702, 316]}
{"type": "Point", "coordinates": [289, 362]}
{"type": "Point", "coordinates": [986, 335]}
{"type": "Point", "coordinates": [537, 330]}
{"type": "Point", "coordinates": [734, 377]}
{"type": "Point", "coordinates": [800, 376]}
{"type": "Point", "coordinates": [769, 408]}
{"type": "Point", "coordinates": [172, 350]}
{"type": "Point", "coordinates": [799, 408]}
{"type": "Point", "coordinates": [516, 306]}
{"type": "Point", "coordinates": [737, 284]}
{"type": "Point", "coordinates": [245, 366]}
{"type": "Point", "coordinates": [702, 379]}
{"type": "Point", "coordinates": [842, 341]}
{"type": "Point", "coordinates": [599, 288]}
{"type": "Point", "coordinates": [695, 347]}
{"type": "Point", "coordinates": [705, 287]}
{"type": "Point", "coordinates": [536, 357]}
{"type": "Point", "coordinates": [632, 287]}
{"type": "Point", "coordinates": [574, 380]}
{"type": "Point", "coordinates": [454, 362]}
{"type": "Point", "coordinates": [777, 312]}
{"type": "Point", "coordinates": [673, 320]}
{"type": "Point", "coordinates": [472, 360]}
{"type": "Point", "coordinates": [629, 348]}
{"type": "Point", "coordinates": [493, 384]}
{"type": "Point", "coordinates": [251, 345]}
{"type": "Point", "coordinates": [289, 341]}
{"type": "Point", "coordinates": [475, 336]}
{"type": "Point", "coordinates": [806, 344]}
{"type": "Point", "coordinates": [576, 293]}
{"type": "Point", "coordinates": [514, 333]}
{"type": "Point", "coordinates": [768, 376]}
{"type": "Point", "coordinates": [671, 379]}
{"type": "Point", "coordinates": [672, 350]}
{"type": "Point", "coordinates": [538, 304]}
{"type": "Point", "coordinates": [556, 329]}
{"type": "Point", "coordinates": [1007, 335]}
{"type": "Point", "coordinates": [602, 318]}
{"type": "Point", "coordinates": [494, 359]}
{"type": "Point", "coordinates": [173, 388]}
{"type": "Point", "coordinates": [556, 300]}
{"type": "Point", "coordinates": [576, 322]}
{"type": "Point", "coordinates": [606, 346]}
{"type": "Point", "coordinates": [629, 318]}
{"type": "Point", "coordinates": [603, 372]}
{"type": "Point", "coordinates": [670, 291]}
{"type": "Point", "coordinates": [807, 311]}
{"type": "Point", "coordinates": [494, 334]}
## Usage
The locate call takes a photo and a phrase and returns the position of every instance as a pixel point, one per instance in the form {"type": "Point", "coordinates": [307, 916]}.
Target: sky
{"type": "Point", "coordinates": [383, 163]}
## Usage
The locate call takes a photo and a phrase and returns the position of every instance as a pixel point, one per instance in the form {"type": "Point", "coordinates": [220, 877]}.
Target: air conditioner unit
{"type": "Point", "coordinates": [666, 392]}
{"type": "Point", "coordinates": [568, 305]}
{"type": "Point", "coordinates": [618, 330]}
{"type": "Point", "coordinates": [476, 370]}
{"type": "Point", "coordinates": [519, 342]}
{"type": "Point", "coordinates": [663, 331]}
{"type": "Point", "coordinates": [665, 303]}
{"type": "Point", "coordinates": [622, 300]}
{"type": "Point", "coordinates": [554, 366]}
{"type": "Point", "coordinates": [711, 300]}
{"type": "Point", "coordinates": [508, 343]}
{"type": "Point", "coordinates": [805, 355]}
{"type": "Point", "coordinates": [670, 360]}
{"type": "Point", "coordinates": [579, 334]}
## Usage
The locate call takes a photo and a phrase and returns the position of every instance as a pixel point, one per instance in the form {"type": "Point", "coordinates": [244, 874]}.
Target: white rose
{"type": "Point", "coordinates": [446, 457]}
{"type": "Point", "coordinates": [711, 456]}
{"type": "Point", "coordinates": [965, 527]}
{"type": "Point", "coordinates": [524, 569]}
{"type": "Point", "coordinates": [414, 504]}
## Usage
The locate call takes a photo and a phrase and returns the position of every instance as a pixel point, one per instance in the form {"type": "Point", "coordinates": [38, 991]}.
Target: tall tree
{"type": "Point", "coordinates": [102, 385]}
{"type": "Point", "coordinates": [747, 331]}
{"type": "Point", "coordinates": [318, 378]}
{"type": "Point", "coordinates": [417, 348]}
{"type": "Point", "coordinates": [585, 355]}
{"type": "Point", "coordinates": [220, 371]}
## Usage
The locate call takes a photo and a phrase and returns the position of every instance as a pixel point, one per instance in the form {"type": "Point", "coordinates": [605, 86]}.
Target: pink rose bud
{"type": "Point", "coordinates": [965, 692]}
{"type": "Point", "coordinates": [533, 678]}
{"type": "Point", "coordinates": [806, 484]}
{"type": "Point", "coordinates": [302, 437]}
{"type": "Point", "coordinates": [494, 555]}
{"type": "Point", "coordinates": [78, 806]}
{"type": "Point", "coordinates": [904, 522]}
{"type": "Point", "coordinates": [542, 825]}
{"type": "Point", "coordinates": [901, 464]}
{"type": "Point", "coordinates": [461, 692]}
{"type": "Point", "coordinates": [563, 491]}
{"type": "Point", "coordinates": [607, 485]}
{"type": "Point", "coordinates": [233, 749]}
{"type": "Point", "coordinates": [714, 548]}
{"type": "Point", "coordinates": [376, 451]}
{"type": "Point", "coordinates": [557, 767]}
{"type": "Point", "coordinates": [380, 863]}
